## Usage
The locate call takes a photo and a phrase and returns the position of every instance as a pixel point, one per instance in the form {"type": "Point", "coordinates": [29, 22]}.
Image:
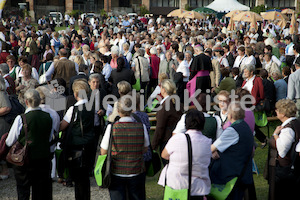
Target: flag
{"type": "Point", "coordinates": [2, 3]}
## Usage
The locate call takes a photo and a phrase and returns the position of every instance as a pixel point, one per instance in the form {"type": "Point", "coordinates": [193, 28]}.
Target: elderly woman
{"type": "Point", "coordinates": [5, 108]}
{"type": "Point", "coordinates": [36, 173]}
{"type": "Point", "coordinates": [269, 64]}
{"type": "Point", "coordinates": [232, 153]}
{"type": "Point", "coordinates": [176, 151]}
{"type": "Point", "coordinates": [79, 139]}
{"type": "Point", "coordinates": [127, 137]}
{"type": "Point", "coordinates": [25, 82]}
{"type": "Point", "coordinates": [127, 53]}
{"type": "Point", "coordinates": [283, 183]}
{"type": "Point", "coordinates": [166, 118]}
{"type": "Point", "coordinates": [140, 66]}
{"type": "Point", "coordinates": [253, 84]}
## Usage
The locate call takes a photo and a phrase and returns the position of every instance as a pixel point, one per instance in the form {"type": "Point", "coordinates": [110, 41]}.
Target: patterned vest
{"type": "Point", "coordinates": [127, 148]}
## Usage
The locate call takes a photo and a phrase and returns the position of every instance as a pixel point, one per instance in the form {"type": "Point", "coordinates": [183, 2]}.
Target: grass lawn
{"type": "Point", "coordinates": [155, 191]}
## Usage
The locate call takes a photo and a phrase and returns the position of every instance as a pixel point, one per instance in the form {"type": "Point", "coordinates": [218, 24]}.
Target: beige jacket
{"type": "Point", "coordinates": [215, 74]}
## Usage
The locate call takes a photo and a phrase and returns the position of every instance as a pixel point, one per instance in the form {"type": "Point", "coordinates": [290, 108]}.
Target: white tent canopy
{"type": "Point", "coordinates": [227, 5]}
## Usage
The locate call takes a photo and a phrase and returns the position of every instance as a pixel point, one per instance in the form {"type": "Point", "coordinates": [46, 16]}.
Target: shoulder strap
{"type": "Point", "coordinates": [140, 69]}
{"type": "Point", "coordinates": [190, 157]}
{"type": "Point", "coordinates": [25, 126]}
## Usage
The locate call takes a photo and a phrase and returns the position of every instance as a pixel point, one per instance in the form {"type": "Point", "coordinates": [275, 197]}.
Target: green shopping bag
{"type": "Point", "coordinates": [155, 102]}
{"type": "Point", "coordinates": [137, 85]}
{"type": "Point", "coordinates": [221, 192]}
{"type": "Point", "coordinates": [261, 118]}
{"type": "Point", "coordinates": [98, 169]}
{"type": "Point", "coordinates": [171, 194]}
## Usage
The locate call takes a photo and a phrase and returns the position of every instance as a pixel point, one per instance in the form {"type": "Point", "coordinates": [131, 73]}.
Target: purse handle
{"type": "Point", "coordinates": [190, 158]}
{"type": "Point", "coordinates": [25, 127]}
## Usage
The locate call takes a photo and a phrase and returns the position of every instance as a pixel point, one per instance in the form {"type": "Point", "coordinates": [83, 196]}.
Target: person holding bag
{"type": "Point", "coordinates": [78, 142]}
{"type": "Point", "coordinates": [176, 151]}
{"type": "Point", "coordinates": [129, 142]}
{"type": "Point", "coordinates": [36, 169]}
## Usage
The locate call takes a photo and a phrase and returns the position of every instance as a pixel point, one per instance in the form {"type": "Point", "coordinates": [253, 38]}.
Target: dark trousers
{"type": "Point", "coordinates": [82, 182]}
{"type": "Point", "coordinates": [131, 187]}
{"type": "Point", "coordinates": [152, 84]}
{"type": "Point", "coordinates": [37, 174]}
{"type": "Point", "coordinates": [203, 83]}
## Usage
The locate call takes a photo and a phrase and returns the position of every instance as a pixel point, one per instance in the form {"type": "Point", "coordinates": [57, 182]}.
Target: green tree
{"type": "Point", "coordinates": [144, 10]}
{"type": "Point", "coordinates": [258, 9]}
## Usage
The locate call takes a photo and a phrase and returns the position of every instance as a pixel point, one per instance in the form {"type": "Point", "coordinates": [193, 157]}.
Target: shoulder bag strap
{"type": "Point", "coordinates": [190, 156]}
{"type": "Point", "coordinates": [110, 143]}
{"type": "Point", "coordinates": [25, 127]}
{"type": "Point", "coordinates": [140, 69]}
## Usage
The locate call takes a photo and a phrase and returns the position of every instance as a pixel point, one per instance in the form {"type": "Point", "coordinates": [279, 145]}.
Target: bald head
{"type": "Point", "coordinates": [63, 53]}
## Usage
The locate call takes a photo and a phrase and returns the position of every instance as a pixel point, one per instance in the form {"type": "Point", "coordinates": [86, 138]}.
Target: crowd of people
{"type": "Point", "coordinates": [170, 60]}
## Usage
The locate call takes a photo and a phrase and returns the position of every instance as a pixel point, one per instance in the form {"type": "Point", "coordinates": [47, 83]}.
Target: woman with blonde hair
{"type": "Point", "coordinates": [55, 43]}
{"type": "Point", "coordinates": [167, 117]}
{"type": "Point", "coordinates": [79, 60]}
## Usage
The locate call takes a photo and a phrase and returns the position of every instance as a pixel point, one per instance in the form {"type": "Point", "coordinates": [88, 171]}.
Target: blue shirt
{"type": "Point", "coordinates": [281, 89]}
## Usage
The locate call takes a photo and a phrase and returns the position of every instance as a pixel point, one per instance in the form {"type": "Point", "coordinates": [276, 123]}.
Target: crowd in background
{"type": "Point", "coordinates": [109, 55]}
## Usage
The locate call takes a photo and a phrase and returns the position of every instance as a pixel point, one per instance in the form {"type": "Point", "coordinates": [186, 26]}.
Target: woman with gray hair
{"type": "Point", "coordinates": [253, 84]}
{"type": "Point", "coordinates": [36, 173]}
{"type": "Point", "coordinates": [140, 66]}
{"type": "Point", "coordinates": [5, 108]}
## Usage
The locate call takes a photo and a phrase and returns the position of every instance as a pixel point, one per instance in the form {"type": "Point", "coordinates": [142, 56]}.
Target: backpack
{"type": "Point", "coordinates": [16, 109]}
{"type": "Point", "coordinates": [295, 156]}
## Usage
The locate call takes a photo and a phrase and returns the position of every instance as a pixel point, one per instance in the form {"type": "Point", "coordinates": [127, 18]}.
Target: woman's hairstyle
{"type": "Point", "coordinates": [194, 120]}
{"type": "Point", "coordinates": [236, 111]}
{"type": "Point", "coordinates": [79, 60]}
{"type": "Point", "coordinates": [286, 70]}
{"type": "Point", "coordinates": [43, 91]}
{"type": "Point", "coordinates": [98, 66]}
{"type": "Point", "coordinates": [224, 93]}
{"type": "Point", "coordinates": [240, 92]}
{"type": "Point", "coordinates": [162, 77]}
{"type": "Point", "coordinates": [79, 85]}
{"type": "Point", "coordinates": [23, 59]}
{"type": "Point", "coordinates": [49, 56]}
{"type": "Point", "coordinates": [104, 58]}
{"type": "Point", "coordinates": [55, 34]}
{"type": "Point", "coordinates": [250, 67]}
{"type": "Point", "coordinates": [95, 56]}
{"type": "Point", "coordinates": [120, 63]}
{"type": "Point", "coordinates": [2, 84]}
{"type": "Point", "coordinates": [126, 46]}
{"type": "Point", "coordinates": [225, 72]}
{"type": "Point", "coordinates": [124, 88]}
{"type": "Point", "coordinates": [249, 51]}
{"type": "Point", "coordinates": [286, 107]}
{"type": "Point", "coordinates": [124, 105]}
{"type": "Point", "coordinates": [32, 97]}
{"type": "Point", "coordinates": [28, 67]}
{"type": "Point", "coordinates": [169, 86]}
{"type": "Point", "coordinates": [263, 73]}
{"type": "Point", "coordinates": [94, 76]}
{"type": "Point", "coordinates": [10, 57]}
{"type": "Point", "coordinates": [241, 48]}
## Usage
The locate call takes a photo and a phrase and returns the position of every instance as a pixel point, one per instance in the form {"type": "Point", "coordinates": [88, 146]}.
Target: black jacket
{"type": "Point", "coordinates": [123, 75]}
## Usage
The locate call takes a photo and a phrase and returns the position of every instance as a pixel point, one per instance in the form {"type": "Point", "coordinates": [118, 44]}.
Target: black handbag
{"type": "Point", "coordinates": [77, 158]}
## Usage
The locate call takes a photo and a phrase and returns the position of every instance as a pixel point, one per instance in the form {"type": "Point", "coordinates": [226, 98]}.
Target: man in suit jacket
{"type": "Point", "coordinates": [63, 68]}
{"type": "Point", "coordinates": [229, 55]}
{"type": "Point", "coordinates": [46, 38]}
{"type": "Point", "coordinates": [82, 74]}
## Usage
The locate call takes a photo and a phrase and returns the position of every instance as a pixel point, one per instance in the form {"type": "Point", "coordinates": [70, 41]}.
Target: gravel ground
{"type": "Point", "coordinates": [8, 190]}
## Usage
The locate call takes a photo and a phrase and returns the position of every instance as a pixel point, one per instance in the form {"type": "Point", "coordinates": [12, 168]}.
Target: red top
{"type": "Point", "coordinates": [92, 47]}
{"type": "Point", "coordinates": [3, 56]}
{"type": "Point", "coordinates": [154, 64]}
{"type": "Point", "coordinates": [168, 45]}
{"type": "Point", "coordinates": [258, 89]}
{"type": "Point", "coordinates": [14, 44]}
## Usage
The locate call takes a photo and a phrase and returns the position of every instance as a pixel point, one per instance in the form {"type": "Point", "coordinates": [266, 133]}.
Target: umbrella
{"type": "Point", "coordinates": [248, 16]}
{"type": "Point", "coordinates": [288, 11]}
{"type": "Point", "coordinates": [253, 24]}
{"type": "Point", "coordinates": [176, 13]}
{"type": "Point", "coordinates": [282, 23]}
{"type": "Point", "coordinates": [273, 15]}
{"type": "Point", "coordinates": [293, 25]}
{"type": "Point", "coordinates": [231, 25]}
{"type": "Point", "coordinates": [192, 15]}
{"type": "Point", "coordinates": [271, 10]}
{"type": "Point", "coordinates": [205, 10]}
{"type": "Point", "coordinates": [233, 13]}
